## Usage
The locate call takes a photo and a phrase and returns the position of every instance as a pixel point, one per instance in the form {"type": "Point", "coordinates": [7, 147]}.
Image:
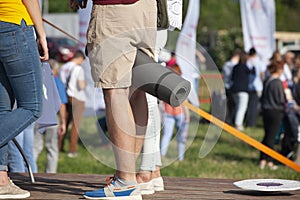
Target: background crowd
{"type": "Point", "coordinates": [270, 90]}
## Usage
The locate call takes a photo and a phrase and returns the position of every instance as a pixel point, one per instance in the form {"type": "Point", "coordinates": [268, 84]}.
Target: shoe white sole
{"type": "Point", "coordinates": [147, 188]}
{"type": "Point", "coordinates": [19, 196]}
{"type": "Point", "coordinates": [158, 184]}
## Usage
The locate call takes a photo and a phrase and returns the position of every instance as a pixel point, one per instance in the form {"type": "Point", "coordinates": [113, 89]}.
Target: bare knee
{"type": "Point", "coordinates": [115, 94]}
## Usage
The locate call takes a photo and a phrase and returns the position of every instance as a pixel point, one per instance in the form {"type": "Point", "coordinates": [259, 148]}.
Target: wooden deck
{"type": "Point", "coordinates": [72, 186]}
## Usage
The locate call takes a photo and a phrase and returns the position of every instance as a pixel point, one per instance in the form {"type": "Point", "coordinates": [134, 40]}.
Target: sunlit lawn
{"type": "Point", "coordinates": [229, 158]}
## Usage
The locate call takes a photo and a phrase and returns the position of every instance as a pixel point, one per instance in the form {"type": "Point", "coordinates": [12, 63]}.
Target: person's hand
{"type": "Point", "coordinates": [76, 4]}
{"type": "Point", "coordinates": [43, 48]}
{"type": "Point", "coordinates": [62, 129]}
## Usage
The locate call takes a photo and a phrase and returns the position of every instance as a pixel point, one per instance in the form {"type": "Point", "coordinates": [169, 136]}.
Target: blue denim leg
{"type": "Point", "coordinates": [169, 122]}
{"type": "Point", "coordinates": [181, 139]}
{"type": "Point", "coordinates": [20, 79]}
{"type": "Point", "coordinates": [181, 127]}
{"type": "Point", "coordinates": [28, 147]}
{"type": "Point", "coordinates": [15, 159]}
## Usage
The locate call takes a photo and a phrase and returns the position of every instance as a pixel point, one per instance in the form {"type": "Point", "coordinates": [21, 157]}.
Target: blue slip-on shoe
{"type": "Point", "coordinates": [111, 192]}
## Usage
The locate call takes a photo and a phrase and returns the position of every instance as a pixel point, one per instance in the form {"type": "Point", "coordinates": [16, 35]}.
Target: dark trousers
{"type": "Point", "coordinates": [291, 123]}
{"type": "Point", "coordinates": [271, 120]}
{"type": "Point", "coordinates": [230, 110]}
{"type": "Point", "coordinates": [252, 111]}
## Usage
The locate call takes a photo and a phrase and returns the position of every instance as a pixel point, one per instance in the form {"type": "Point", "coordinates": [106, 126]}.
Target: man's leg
{"type": "Point", "coordinates": [122, 133]}
{"type": "Point", "coordinates": [121, 128]}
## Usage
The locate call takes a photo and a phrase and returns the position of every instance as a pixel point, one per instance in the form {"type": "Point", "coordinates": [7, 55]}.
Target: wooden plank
{"type": "Point", "coordinates": [73, 186]}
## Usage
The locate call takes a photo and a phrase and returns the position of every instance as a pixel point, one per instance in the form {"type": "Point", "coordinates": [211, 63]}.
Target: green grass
{"type": "Point", "coordinates": [230, 157]}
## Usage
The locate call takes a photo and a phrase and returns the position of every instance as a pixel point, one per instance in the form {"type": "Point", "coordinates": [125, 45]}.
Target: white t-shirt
{"type": "Point", "coordinates": [77, 74]}
{"type": "Point", "coordinates": [65, 71]}
{"type": "Point", "coordinates": [287, 74]}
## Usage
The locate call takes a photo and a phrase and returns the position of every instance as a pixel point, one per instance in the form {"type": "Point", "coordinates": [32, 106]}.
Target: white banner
{"type": "Point", "coordinates": [258, 20]}
{"type": "Point", "coordinates": [84, 19]}
{"type": "Point", "coordinates": [186, 49]}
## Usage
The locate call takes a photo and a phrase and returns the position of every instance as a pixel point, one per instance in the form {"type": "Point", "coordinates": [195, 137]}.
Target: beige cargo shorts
{"type": "Point", "coordinates": [114, 35]}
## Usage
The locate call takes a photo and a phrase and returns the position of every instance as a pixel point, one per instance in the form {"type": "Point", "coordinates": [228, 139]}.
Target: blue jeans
{"type": "Point", "coordinates": [20, 80]}
{"type": "Point", "coordinates": [181, 134]}
{"type": "Point", "coordinates": [15, 159]}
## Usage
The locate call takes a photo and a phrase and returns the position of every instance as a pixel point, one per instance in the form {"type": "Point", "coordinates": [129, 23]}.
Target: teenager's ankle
{"type": "Point", "coordinates": [4, 180]}
{"type": "Point", "coordinates": [143, 176]}
{"type": "Point", "coordinates": [156, 173]}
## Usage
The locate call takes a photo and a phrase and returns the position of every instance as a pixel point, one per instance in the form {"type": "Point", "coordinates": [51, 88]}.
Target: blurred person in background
{"type": "Point", "coordinates": [51, 133]}
{"type": "Point", "coordinates": [289, 59]}
{"type": "Point", "coordinates": [75, 86]}
{"type": "Point", "coordinates": [255, 86]}
{"type": "Point", "coordinates": [66, 69]}
{"type": "Point", "coordinates": [171, 61]}
{"type": "Point", "coordinates": [290, 124]}
{"type": "Point", "coordinates": [273, 102]}
{"type": "Point", "coordinates": [178, 117]}
{"type": "Point", "coordinates": [286, 77]}
{"type": "Point", "coordinates": [239, 88]}
{"type": "Point", "coordinates": [227, 73]}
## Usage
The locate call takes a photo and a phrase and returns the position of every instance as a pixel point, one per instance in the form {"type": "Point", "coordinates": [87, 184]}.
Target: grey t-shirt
{"type": "Point", "coordinates": [51, 100]}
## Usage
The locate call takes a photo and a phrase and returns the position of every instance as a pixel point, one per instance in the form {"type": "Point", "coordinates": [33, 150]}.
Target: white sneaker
{"type": "Point", "coordinates": [11, 191]}
{"type": "Point", "coordinates": [147, 188]}
{"type": "Point", "coordinates": [72, 155]}
{"type": "Point", "coordinates": [158, 184]}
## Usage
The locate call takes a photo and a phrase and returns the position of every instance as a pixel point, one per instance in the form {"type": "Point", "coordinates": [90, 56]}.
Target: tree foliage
{"type": "Point", "coordinates": [287, 15]}
{"type": "Point", "coordinates": [226, 42]}
{"type": "Point", "coordinates": [59, 6]}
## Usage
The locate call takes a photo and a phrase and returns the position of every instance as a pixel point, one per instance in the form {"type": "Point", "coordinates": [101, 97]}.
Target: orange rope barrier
{"type": "Point", "coordinates": [242, 136]}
